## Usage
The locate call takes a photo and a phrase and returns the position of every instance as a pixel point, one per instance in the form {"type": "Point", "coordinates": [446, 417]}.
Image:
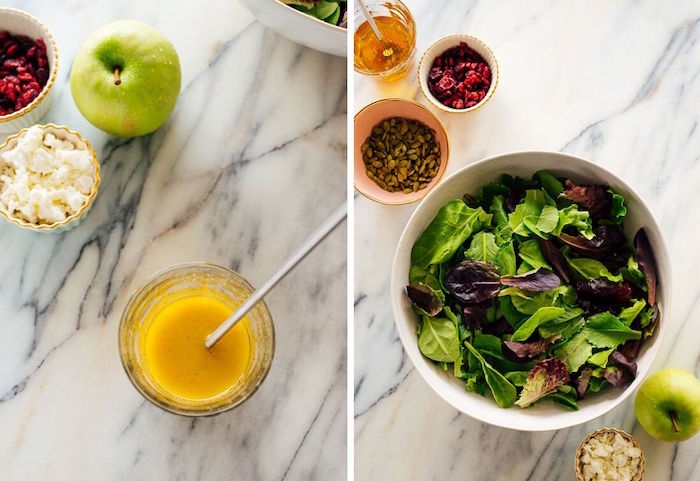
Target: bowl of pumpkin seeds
{"type": "Point", "coordinates": [401, 151]}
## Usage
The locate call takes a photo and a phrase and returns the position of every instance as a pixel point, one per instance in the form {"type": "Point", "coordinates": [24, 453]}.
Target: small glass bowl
{"type": "Point", "coordinates": [177, 282]}
{"type": "Point", "coordinates": [396, 9]}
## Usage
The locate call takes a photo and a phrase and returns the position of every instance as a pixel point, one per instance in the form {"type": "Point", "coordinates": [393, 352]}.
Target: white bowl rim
{"type": "Point", "coordinates": [574, 418]}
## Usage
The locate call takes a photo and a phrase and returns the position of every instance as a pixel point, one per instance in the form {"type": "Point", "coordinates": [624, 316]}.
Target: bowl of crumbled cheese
{"type": "Point", "coordinates": [49, 177]}
{"type": "Point", "coordinates": [609, 454]}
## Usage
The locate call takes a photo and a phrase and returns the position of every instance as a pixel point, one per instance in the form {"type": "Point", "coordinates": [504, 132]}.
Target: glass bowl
{"type": "Point", "coordinates": [388, 8]}
{"type": "Point", "coordinates": [178, 282]}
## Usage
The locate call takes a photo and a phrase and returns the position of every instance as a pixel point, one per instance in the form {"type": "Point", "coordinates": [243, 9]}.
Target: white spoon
{"type": "Point", "coordinates": [331, 223]}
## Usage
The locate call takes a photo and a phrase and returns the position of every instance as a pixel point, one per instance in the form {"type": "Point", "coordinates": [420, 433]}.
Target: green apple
{"type": "Point", "coordinates": [126, 78]}
{"type": "Point", "coordinates": [668, 405]}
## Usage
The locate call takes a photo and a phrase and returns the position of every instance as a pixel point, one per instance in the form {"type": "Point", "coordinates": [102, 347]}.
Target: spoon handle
{"type": "Point", "coordinates": [331, 223]}
{"type": "Point", "coordinates": [371, 21]}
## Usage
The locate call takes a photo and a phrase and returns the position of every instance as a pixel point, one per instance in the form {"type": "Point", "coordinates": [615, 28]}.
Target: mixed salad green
{"type": "Point", "coordinates": [531, 291]}
{"type": "Point", "coordinates": [330, 11]}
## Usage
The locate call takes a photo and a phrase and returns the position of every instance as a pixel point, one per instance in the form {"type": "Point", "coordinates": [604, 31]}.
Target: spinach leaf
{"type": "Point", "coordinates": [566, 329]}
{"type": "Point", "coordinates": [562, 295]}
{"type": "Point", "coordinates": [565, 396]}
{"type": "Point", "coordinates": [502, 390]}
{"type": "Point", "coordinates": [482, 248]}
{"type": "Point", "coordinates": [600, 358]}
{"type": "Point", "coordinates": [450, 228]}
{"type": "Point", "coordinates": [541, 316]}
{"type": "Point", "coordinates": [509, 312]}
{"type": "Point", "coordinates": [550, 184]}
{"type": "Point", "coordinates": [574, 352]}
{"type": "Point", "coordinates": [591, 269]}
{"type": "Point", "coordinates": [523, 220]}
{"type": "Point", "coordinates": [418, 275]}
{"type": "Point", "coordinates": [424, 299]}
{"type": "Point", "coordinates": [629, 314]}
{"type": "Point", "coordinates": [606, 330]}
{"type": "Point", "coordinates": [439, 340]}
{"type": "Point", "coordinates": [488, 344]}
{"type": "Point", "coordinates": [530, 252]}
{"type": "Point", "coordinates": [505, 259]}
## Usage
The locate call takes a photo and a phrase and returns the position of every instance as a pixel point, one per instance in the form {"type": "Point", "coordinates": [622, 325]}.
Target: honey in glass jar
{"type": "Point", "coordinates": [392, 58]}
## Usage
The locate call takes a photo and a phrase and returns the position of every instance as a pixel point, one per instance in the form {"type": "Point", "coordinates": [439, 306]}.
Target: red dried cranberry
{"type": "Point", "coordinates": [23, 72]}
{"type": "Point", "coordinates": [459, 77]}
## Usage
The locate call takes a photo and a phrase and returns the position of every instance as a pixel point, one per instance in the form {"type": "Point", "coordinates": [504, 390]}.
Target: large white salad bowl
{"type": "Point", "coordinates": [544, 416]}
{"type": "Point", "coordinates": [300, 27]}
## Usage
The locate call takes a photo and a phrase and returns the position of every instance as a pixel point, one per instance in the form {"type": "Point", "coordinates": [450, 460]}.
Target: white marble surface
{"type": "Point", "coordinates": [252, 160]}
{"type": "Point", "coordinates": [616, 82]}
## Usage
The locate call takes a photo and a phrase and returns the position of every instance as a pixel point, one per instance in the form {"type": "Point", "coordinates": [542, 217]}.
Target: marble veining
{"type": "Point", "coordinates": [252, 160]}
{"type": "Point", "coordinates": [617, 83]}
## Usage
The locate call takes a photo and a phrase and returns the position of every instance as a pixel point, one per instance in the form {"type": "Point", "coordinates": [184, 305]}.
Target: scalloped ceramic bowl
{"type": "Point", "coordinates": [61, 132]}
{"type": "Point", "coordinates": [300, 27]}
{"type": "Point", "coordinates": [21, 23]}
{"type": "Point", "coordinates": [440, 46]}
{"type": "Point", "coordinates": [370, 116]}
{"type": "Point", "coordinates": [544, 416]}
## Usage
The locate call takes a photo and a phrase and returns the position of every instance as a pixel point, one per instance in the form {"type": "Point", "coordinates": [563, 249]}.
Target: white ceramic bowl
{"type": "Point", "coordinates": [545, 416]}
{"type": "Point", "coordinates": [299, 27]}
{"type": "Point", "coordinates": [18, 22]}
{"type": "Point", "coordinates": [71, 222]}
{"type": "Point", "coordinates": [438, 48]}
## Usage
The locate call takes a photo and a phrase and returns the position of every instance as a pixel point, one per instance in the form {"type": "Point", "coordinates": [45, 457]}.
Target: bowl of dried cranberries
{"type": "Point", "coordinates": [458, 73]}
{"type": "Point", "coordinates": [28, 65]}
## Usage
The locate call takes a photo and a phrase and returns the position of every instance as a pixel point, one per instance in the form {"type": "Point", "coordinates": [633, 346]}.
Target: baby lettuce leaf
{"type": "Point", "coordinates": [523, 220]}
{"type": "Point", "coordinates": [555, 258]}
{"type": "Point", "coordinates": [525, 304]}
{"type": "Point", "coordinates": [498, 210]}
{"type": "Point", "coordinates": [629, 314]}
{"type": "Point", "coordinates": [450, 228]}
{"type": "Point", "coordinates": [482, 248]}
{"type": "Point", "coordinates": [473, 281]}
{"type": "Point", "coordinates": [600, 358]}
{"type": "Point", "coordinates": [631, 273]}
{"type": "Point", "coordinates": [574, 352]}
{"type": "Point", "coordinates": [618, 210]}
{"type": "Point", "coordinates": [607, 239]}
{"type": "Point", "coordinates": [565, 396]}
{"type": "Point", "coordinates": [582, 382]}
{"type": "Point", "coordinates": [529, 251]}
{"type": "Point", "coordinates": [542, 316]}
{"type": "Point", "coordinates": [549, 183]}
{"type": "Point", "coordinates": [512, 315]}
{"type": "Point", "coordinates": [518, 378]}
{"type": "Point", "coordinates": [604, 291]}
{"type": "Point", "coordinates": [543, 379]}
{"type": "Point", "coordinates": [590, 269]}
{"type": "Point", "coordinates": [501, 388]}
{"type": "Point", "coordinates": [572, 217]}
{"type": "Point", "coordinates": [425, 299]}
{"type": "Point", "coordinates": [505, 259]}
{"type": "Point", "coordinates": [439, 339]}
{"type": "Point", "coordinates": [606, 330]}
{"type": "Point", "coordinates": [488, 344]}
{"type": "Point", "coordinates": [474, 315]}
{"type": "Point", "coordinates": [527, 351]}
{"type": "Point", "coordinates": [642, 249]}
{"type": "Point", "coordinates": [619, 378]}
{"type": "Point", "coordinates": [548, 220]}
{"type": "Point", "coordinates": [619, 359]}
{"type": "Point", "coordinates": [418, 275]}
{"type": "Point", "coordinates": [539, 280]}
{"type": "Point", "coordinates": [593, 198]}
{"type": "Point", "coordinates": [567, 329]}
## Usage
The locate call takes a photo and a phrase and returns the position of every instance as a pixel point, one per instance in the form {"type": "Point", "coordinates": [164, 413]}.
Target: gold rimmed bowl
{"type": "Point", "coordinates": [441, 46]}
{"type": "Point", "coordinates": [372, 115]}
{"type": "Point", "coordinates": [80, 143]}
{"type": "Point", "coordinates": [18, 22]}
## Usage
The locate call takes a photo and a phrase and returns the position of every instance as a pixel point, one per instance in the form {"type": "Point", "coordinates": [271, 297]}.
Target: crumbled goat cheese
{"type": "Point", "coordinates": [610, 457]}
{"type": "Point", "coordinates": [44, 179]}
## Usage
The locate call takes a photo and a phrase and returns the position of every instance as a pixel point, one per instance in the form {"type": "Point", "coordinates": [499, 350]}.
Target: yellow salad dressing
{"type": "Point", "coordinates": [175, 354]}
